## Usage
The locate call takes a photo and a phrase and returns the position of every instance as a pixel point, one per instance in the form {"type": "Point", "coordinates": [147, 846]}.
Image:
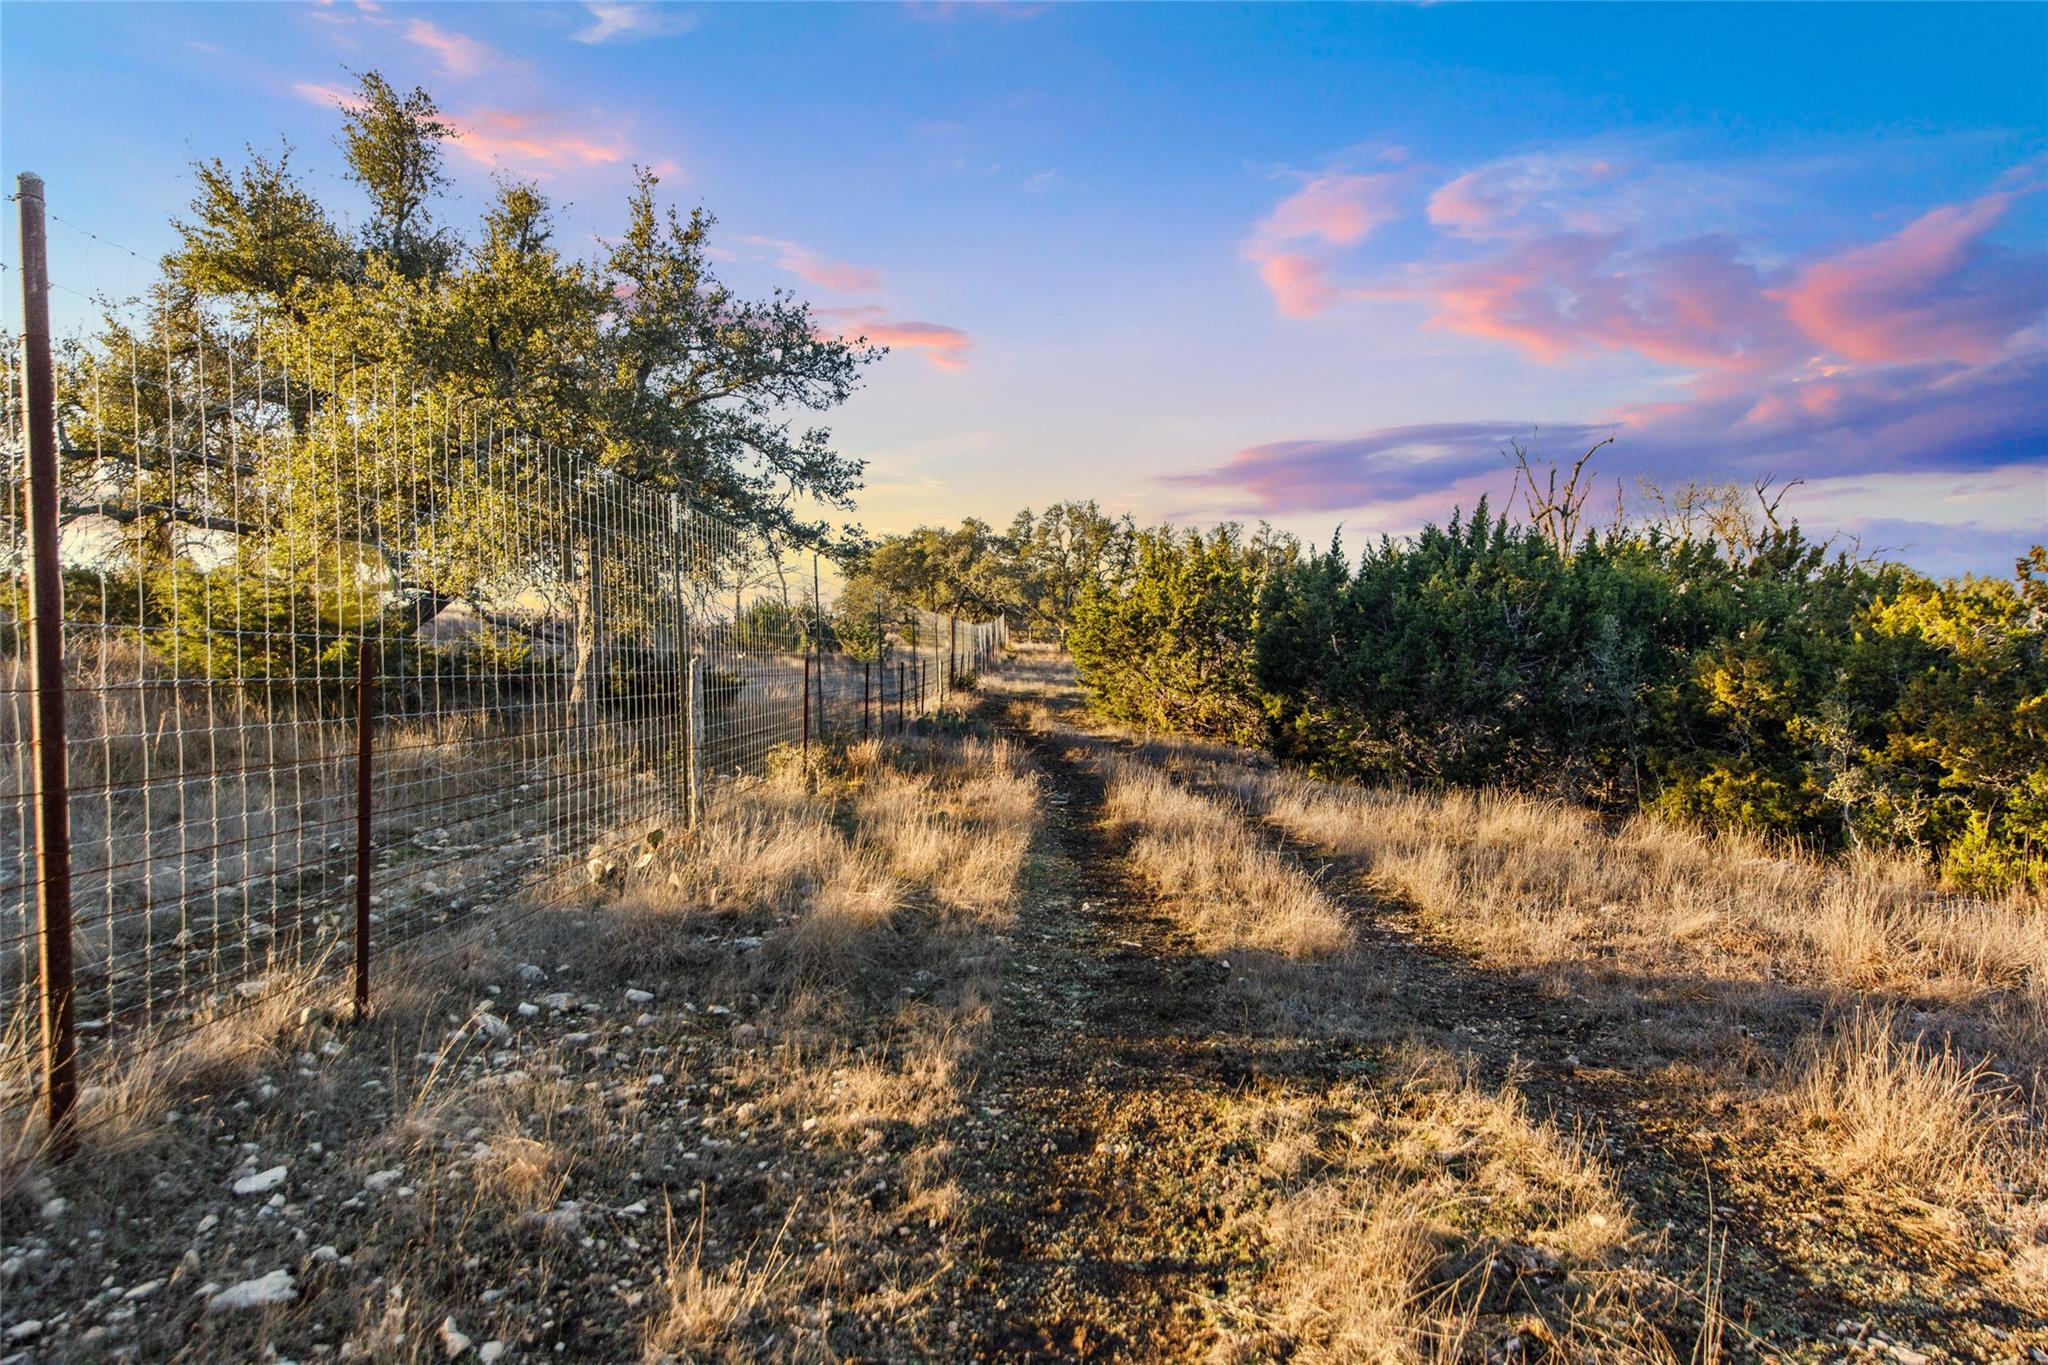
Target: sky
{"type": "Point", "coordinates": [1302, 264]}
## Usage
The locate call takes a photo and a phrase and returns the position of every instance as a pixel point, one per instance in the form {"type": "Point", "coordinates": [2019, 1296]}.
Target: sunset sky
{"type": "Point", "coordinates": [1311, 265]}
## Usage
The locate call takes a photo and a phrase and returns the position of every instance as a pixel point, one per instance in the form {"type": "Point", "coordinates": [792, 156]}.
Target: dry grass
{"type": "Point", "coordinates": [1896, 1112]}
{"type": "Point", "coordinates": [1427, 1217]}
{"type": "Point", "coordinates": [1538, 886]}
{"type": "Point", "coordinates": [1235, 894]}
{"type": "Point", "coordinates": [126, 1093]}
{"type": "Point", "coordinates": [1736, 954]}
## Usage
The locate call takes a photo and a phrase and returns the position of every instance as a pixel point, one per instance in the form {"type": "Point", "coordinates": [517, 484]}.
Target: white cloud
{"type": "Point", "coordinates": [617, 21]}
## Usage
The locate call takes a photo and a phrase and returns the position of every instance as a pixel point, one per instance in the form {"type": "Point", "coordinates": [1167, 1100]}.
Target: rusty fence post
{"type": "Point", "coordinates": [365, 719]}
{"type": "Point", "coordinates": [46, 668]}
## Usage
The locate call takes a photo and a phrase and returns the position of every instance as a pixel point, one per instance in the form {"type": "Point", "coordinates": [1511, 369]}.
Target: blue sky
{"type": "Point", "coordinates": [1310, 264]}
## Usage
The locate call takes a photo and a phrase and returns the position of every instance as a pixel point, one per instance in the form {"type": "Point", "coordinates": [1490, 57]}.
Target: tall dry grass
{"type": "Point", "coordinates": [1233, 892]}
{"type": "Point", "coordinates": [1539, 886]}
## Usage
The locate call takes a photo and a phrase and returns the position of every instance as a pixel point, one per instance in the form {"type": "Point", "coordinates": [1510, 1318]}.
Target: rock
{"type": "Point", "coordinates": [53, 1209]}
{"type": "Point", "coordinates": [639, 997]}
{"type": "Point", "coordinates": [379, 1181]}
{"type": "Point", "coordinates": [636, 1209]}
{"type": "Point", "coordinates": [144, 1290]}
{"type": "Point", "coordinates": [503, 1078]}
{"type": "Point", "coordinates": [452, 1341]}
{"type": "Point", "coordinates": [25, 1330]}
{"type": "Point", "coordinates": [490, 1351]}
{"type": "Point", "coordinates": [558, 1000]}
{"type": "Point", "coordinates": [1905, 1355]}
{"type": "Point", "coordinates": [529, 972]}
{"type": "Point", "coordinates": [527, 1011]}
{"type": "Point", "coordinates": [209, 1223]}
{"type": "Point", "coordinates": [326, 1254]}
{"type": "Point", "coordinates": [491, 1026]}
{"type": "Point", "coordinates": [263, 1182]}
{"type": "Point", "coordinates": [263, 1292]}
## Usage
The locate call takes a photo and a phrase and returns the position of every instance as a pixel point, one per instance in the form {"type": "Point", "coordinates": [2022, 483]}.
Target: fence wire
{"type": "Point", "coordinates": [269, 550]}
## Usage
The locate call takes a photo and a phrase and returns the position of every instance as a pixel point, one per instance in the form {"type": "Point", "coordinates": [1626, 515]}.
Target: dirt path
{"type": "Point", "coordinates": [1092, 1141]}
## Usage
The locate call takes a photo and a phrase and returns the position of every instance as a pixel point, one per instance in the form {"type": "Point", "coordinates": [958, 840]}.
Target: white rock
{"type": "Point", "coordinates": [379, 1181]}
{"type": "Point", "coordinates": [558, 1000]}
{"type": "Point", "coordinates": [490, 1351]}
{"type": "Point", "coordinates": [657, 1079]}
{"type": "Point", "coordinates": [53, 1209]}
{"type": "Point", "coordinates": [491, 1026]}
{"type": "Point", "coordinates": [529, 972]}
{"type": "Point", "coordinates": [452, 1341]}
{"type": "Point", "coordinates": [527, 1010]}
{"type": "Point", "coordinates": [263, 1182]}
{"type": "Point", "coordinates": [326, 1254]}
{"type": "Point", "coordinates": [144, 1290]}
{"type": "Point", "coordinates": [26, 1328]}
{"type": "Point", "coordinates": [209, 1223]}
{"type": "Point", "coordinates": [638, 997]}
{"type": "Point", "coordinates": [263, 1292]}
{"type": "Point", "coordinates": [636, 1209]}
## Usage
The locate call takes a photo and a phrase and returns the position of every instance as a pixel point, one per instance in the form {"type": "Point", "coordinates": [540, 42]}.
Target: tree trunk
{"type": "Point", "coordinates": [590, 642]}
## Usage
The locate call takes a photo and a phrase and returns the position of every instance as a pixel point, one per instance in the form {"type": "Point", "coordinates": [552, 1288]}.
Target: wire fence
{"type": "Point", "coordinates": [343, 664]}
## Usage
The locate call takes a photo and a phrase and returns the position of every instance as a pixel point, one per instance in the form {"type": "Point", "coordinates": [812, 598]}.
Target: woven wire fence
{"type": "Point", "coordinates": [282, 570]}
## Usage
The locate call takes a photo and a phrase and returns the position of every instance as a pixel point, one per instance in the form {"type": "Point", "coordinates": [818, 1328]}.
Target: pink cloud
{"type": "Point", "coordinates": [1935, 290]}
{"type": "Point", "coordinates": [838, 276]}
{"type": "Point", "coordinates": [1523, 193]}
{"type": "Point", "coordinates": [1339, 209]}
{"type": "Point", "coordinates": [1696, 303]}
{"type": "Point", "coordinates": [1292, 245]}
{"type": "Point", "coordinates": [1300, 284]}
{"type": "Point", "coordinates": [534, 143]}
{"type": "Point", "coordinates": [458, 54]}
{"type": "Point", "coordinates": [945, 347]}
{"type": "Point", "coordinates": [332, 96]}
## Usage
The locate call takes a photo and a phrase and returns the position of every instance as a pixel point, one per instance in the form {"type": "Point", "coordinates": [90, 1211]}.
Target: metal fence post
{"type": "Point", "coordinates": [678, 516]}
{"type": "Point", "coordinates": [46, 667]}
{"type": "Point", "coordinates": [364, 721]}
{"type": "Point", "coordinates": [694, 720]}
{"type": "Point", "coordinates": [807, 712]}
